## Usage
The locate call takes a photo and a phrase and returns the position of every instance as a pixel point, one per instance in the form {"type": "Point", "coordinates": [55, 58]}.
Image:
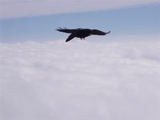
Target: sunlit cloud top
{"type": "Point", "coordinates": [29, 8]}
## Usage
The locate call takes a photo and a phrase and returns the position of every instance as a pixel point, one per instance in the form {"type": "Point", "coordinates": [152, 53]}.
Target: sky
{"type": "Point", "coordinates": [37, 20]}
{"type": "Point", "coordinates": [110, 77]}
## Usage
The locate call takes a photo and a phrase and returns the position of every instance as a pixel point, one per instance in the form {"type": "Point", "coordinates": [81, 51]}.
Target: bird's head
{"type": "Point", "coordinates": [90, 32]}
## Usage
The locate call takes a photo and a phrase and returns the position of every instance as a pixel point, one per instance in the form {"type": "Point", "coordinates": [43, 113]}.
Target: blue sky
{"type": "Point", "coordinates": [130, 21]}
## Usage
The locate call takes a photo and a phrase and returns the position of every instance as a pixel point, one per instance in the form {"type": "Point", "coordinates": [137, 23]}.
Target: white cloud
{"type": "Point", "coordinates": [80, 80]}
{"type": "Point", "coordinates": [26, 8]}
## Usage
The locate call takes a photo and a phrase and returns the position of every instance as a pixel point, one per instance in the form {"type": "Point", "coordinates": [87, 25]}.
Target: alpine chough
{"type": "Point", "coordinates": [81, 33]}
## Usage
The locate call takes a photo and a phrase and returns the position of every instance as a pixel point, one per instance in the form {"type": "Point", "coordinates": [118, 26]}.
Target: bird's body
{"type": "Point", "coordinates": [81, 33]}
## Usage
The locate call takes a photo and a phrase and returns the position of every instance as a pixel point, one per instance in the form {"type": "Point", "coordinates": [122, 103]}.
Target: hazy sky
{"type": "Point", "coordinates": [36, 20]}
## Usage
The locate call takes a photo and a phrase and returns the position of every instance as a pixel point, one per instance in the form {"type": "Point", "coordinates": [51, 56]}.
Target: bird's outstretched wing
{"type": "Point", "coordinates": [66, 30]}
{"type": "Point", "coordinates": [72, 35]}
{"type": "Point", "coordinates": [98, 32]}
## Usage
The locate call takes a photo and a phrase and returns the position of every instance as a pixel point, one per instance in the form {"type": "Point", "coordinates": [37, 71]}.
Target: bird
{"type": "Point", "coordinates": [81, 33]}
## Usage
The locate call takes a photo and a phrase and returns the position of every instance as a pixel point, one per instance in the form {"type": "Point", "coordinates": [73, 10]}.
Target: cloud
{"type": "Point", "coordinates": [80, 80]}
{"type": "Point", "coordinates": [28, 8]}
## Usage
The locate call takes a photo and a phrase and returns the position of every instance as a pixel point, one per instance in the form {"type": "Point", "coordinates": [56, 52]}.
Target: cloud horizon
{"type": "Point", "coordinates": [31, 8]}
{"type": "Point", "coordinates": [80, 80]}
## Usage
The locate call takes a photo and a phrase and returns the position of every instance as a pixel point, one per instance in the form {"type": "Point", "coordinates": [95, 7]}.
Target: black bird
{"type": "Point", "coordinates": [81, 33]}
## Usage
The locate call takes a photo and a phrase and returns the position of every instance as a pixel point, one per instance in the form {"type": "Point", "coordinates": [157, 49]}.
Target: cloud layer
{"type": "Point", "coordinates": [27, 8]}
{"type": "Point", "coordinates": [80, 80]}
